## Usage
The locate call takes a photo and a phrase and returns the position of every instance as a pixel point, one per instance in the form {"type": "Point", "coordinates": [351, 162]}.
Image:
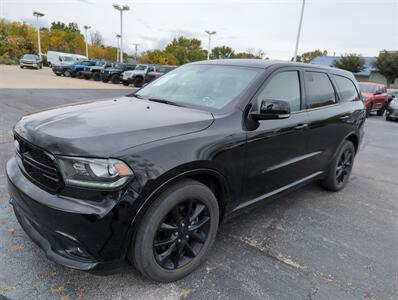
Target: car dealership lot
{"type": "Point", "coordinates": [311, 244]}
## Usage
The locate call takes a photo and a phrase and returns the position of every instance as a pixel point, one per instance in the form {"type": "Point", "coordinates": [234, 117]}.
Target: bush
{"type": "Point", "coordinates": [6, 60]}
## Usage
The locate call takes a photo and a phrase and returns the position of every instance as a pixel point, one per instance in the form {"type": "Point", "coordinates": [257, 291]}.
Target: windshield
{"type": "Point", "coordinates": [211, 86]}
{"type": "Point", "coordinates": [30, 56]}
{"type": "Point", "coordinates": [141, 67]}
{"type": "Point", "coordinates": [366, 88]}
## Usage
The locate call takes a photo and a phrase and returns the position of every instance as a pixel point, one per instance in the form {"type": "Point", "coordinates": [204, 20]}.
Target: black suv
{"type": "Point", "coordinates": [150, 176]}
{"type": "Point", "coordinates": [114, 74]}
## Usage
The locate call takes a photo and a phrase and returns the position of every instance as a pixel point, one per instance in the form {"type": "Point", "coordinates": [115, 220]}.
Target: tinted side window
{"type": "Point", "coordinates": [347, 89]}
{"type": "Point", "coordinates": [320, 91]}
{"type": "Point", "coordinates": [283, 86]}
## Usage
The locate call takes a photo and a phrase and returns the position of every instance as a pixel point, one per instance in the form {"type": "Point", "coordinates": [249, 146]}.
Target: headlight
{"type": "Point", "coordinates": [394, 104]}
{"type": "Point", "coordinates": [105, 174]}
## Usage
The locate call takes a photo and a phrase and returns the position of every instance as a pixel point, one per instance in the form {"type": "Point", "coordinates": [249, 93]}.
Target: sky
{"type": "Point", "coordinates": [339, 26]}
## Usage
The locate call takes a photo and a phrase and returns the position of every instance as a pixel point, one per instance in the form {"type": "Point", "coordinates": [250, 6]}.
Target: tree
{"type": "Point", "coordinates": [96, 38]}
{"type": "Point", "coordinates": [222, 52]}
{"type": "Point", "coordinates": [351, 62]}
{"type": "Point", "coordinates": [186, 50]}
{"type": "Point", "coordinates": [306, 57]}
{"type": "Point", "coordinates": [387, 64]}
{"type": "Point", "coordinates": [158, 57]}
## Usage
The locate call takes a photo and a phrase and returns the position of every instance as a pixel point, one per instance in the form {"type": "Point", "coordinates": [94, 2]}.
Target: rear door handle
{"type": "Point", "coordinates": [301, 126]}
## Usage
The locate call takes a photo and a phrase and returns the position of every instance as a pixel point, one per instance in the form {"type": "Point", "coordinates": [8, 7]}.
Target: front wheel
{"type": "Point", "coordinates": [96, 76]}
{"type": "Point", "coordinates": [115, 79]}
{"type": "Point", "coordinates": [381, 111]}
{"type": "Point", "coordinates": [340, 168]}
{"type": "Point", "coordinates": [177, 232]}
{"type": "Point", "coordinates": [138, 82]}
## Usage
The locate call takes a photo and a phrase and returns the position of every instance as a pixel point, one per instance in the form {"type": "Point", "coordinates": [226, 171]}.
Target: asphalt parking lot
{"type": "Point", "coordinates": [311, 244]}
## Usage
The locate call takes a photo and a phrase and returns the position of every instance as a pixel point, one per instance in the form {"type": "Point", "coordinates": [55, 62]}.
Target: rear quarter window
{"type": "Point", "coordinates": [319, 89]}
{"type": "Point", "coordinates": [348, 91]}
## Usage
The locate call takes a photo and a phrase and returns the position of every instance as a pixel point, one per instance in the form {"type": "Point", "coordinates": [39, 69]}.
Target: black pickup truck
{"type": "Point", "coordinates": [114, 74]}
{"type": "Point", "coordinates": [94, 72]}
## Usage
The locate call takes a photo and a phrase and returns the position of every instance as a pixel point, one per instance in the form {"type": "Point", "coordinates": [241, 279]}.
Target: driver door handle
{"type": "Point", "coordinates": [301, 126]}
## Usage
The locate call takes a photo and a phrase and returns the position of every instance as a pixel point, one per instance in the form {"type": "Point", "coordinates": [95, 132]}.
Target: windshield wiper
{"type": "Point", "coordinates": [165, 102]}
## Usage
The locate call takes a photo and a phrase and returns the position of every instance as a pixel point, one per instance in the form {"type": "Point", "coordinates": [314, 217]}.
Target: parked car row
{"type": "Point", "coordinates": [105, 71]}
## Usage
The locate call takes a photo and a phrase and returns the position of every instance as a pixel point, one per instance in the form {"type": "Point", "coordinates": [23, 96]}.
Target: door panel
{"type": "Point", "coordinates": [276, 155]}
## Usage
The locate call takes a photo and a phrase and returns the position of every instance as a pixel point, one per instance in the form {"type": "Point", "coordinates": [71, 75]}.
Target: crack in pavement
{"type": "Point", "coordinates": [298, 267]}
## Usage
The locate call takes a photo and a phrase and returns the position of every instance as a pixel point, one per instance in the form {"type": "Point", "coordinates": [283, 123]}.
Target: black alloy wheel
{"type": "Point", "coordinates": [340, 169]}
{"type": "Point", "coordinates": [182, 234]}
{"type": "Point", "coordinates": [344, 166]}
{"type": "Point", "coordinates": [96, 76]}
{"type": "Point", "coordinates": [176, 232]}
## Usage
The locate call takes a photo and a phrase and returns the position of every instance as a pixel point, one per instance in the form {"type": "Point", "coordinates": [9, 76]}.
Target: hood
{"type": "Point", "coordinates": [103, 128]}
{"type": "Point", "coordinates": [367, 95]}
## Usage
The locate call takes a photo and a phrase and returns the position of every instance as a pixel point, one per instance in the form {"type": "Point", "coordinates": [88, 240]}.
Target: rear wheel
{"type": "Point", "coordinates": [21, 67]}
{"type": "Point", "coordinates": [115, 79]}
{"type": "Point", "coordinates": [67, 74]}
{"type": "Point", "coordinates": [125, 83]}
{"type": "Point", "coordinates": [138, 82]}
{"type": "Point", "coordinates": [79, 74]}
{"type": "Point", "coordinates": [340, 169]}
{"type": "Point", "coordinates": [177, 232]}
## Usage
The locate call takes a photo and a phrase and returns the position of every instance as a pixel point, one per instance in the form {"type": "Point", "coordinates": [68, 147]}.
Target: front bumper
{"type": "Point", "coordinates": [83, 235]}
{"type": "Point", "coordinates": [29, 64]}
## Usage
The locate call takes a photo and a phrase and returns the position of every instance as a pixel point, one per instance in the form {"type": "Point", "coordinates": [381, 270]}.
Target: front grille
{"type": "Point", "coordinates": [39, 166]}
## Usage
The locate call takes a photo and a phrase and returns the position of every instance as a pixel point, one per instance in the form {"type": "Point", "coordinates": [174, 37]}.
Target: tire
{"type": "Point", "coordinates": [369, 109]}
{"type": "Point", "coordinates": [67, 74]}
{"type": "Point", "coordinates": [138, 82]}
{"type": "Point", "coordinates": [58, 74]}
{"type": "Point", "coordinates": [73, 74]}
{"type": "Point", "coordinates": [21, 67]}
{"type": "Point", "coordinates": [96, 76]}
{"type": "Point", "coordinates": [388, 118]}
{"type": "Point", "coordinates": [340, 168]}
{"type": "Point", "coordinates": [146, 256]}
{"type": "Point", "coordinates": [125, 83]}
{"type": "Point", "coordinates": [381, 111]}
{"type": "Point", "coordinates": [115, 79]}
{"type": "Point", "coordinates": [79, 74]}
{"type": "Point", "coordinates": [87, 77]}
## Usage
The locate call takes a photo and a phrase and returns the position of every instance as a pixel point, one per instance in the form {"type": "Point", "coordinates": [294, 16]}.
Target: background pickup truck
{"type": "Point", "coordinates": [73, 70]}
{"type": "Point", "coordinates": [114, 74]}
{"type": "Point", "coordinates": [94, 72]}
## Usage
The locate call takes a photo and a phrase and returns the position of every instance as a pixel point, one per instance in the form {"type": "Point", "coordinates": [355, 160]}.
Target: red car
{"type": "Point", "coordinates": [375, 97]}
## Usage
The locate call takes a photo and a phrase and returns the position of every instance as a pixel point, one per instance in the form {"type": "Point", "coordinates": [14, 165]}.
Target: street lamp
{"type": "Point", "coordinates": [86, 27]}
{"type": "Point", "coordinates": [210, 33]}
{"type": "Point", "coordinates": [121, 9]}
{"type": "Point", "coordinates": [38, 15]}
{"type": "Point", "coordinates": [118, 47]}
{"type": "Point", "coordinates": [136, 50]}
{"type": "Point", "coordinates": [299, 31]}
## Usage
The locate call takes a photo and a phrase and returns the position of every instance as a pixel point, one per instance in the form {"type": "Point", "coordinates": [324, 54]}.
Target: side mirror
{"type": "Point", "coordinates": [272, 109]}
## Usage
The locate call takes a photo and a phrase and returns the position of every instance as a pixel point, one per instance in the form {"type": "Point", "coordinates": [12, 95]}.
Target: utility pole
{"type": "Point", "coordinates": [136, 50]}
{"type": "Point", "coordinates": [210, 33]}
{"type": "Point", "coordinates": [299, 31]}
{"type": "Point", "coordinates": [85, 30]}
{"type": "Point", "coordinates": [121, 9]}
{"type": "Point", "coordinates": [38, 15]}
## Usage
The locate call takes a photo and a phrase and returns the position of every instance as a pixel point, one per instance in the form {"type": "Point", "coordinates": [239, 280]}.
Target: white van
{"type": "Point", "coordinates": [56, 58]}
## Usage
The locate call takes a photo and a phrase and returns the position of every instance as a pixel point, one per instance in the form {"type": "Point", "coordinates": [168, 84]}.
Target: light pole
{"type": "Point", "coordinates": [121, 9]}
{"type": "Point", "coordinates": [118, 47]}
{"type": "Point", "coordinates": [86, 27]}
{"type": "Point", "coordinates": [210, 33]}
{"type": "Point", "coordinates": [136, 50]}
{"type": "Point", "coordinates": [299, 31]}
{"type": "Point", "coordinates": [38, 15]}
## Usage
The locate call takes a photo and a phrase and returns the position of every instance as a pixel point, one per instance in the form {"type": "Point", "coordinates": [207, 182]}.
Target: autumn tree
{"type": "Point", "coordinates": [351, 62]}
{"type": "Point", "coordinates": [186, 50]}
{"type": "Point", "coordinates": [158, 57]}
{"type": "Point", "coordinates": [387, 64]}
{"type": "Point", "coordinates": [306, 57]}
